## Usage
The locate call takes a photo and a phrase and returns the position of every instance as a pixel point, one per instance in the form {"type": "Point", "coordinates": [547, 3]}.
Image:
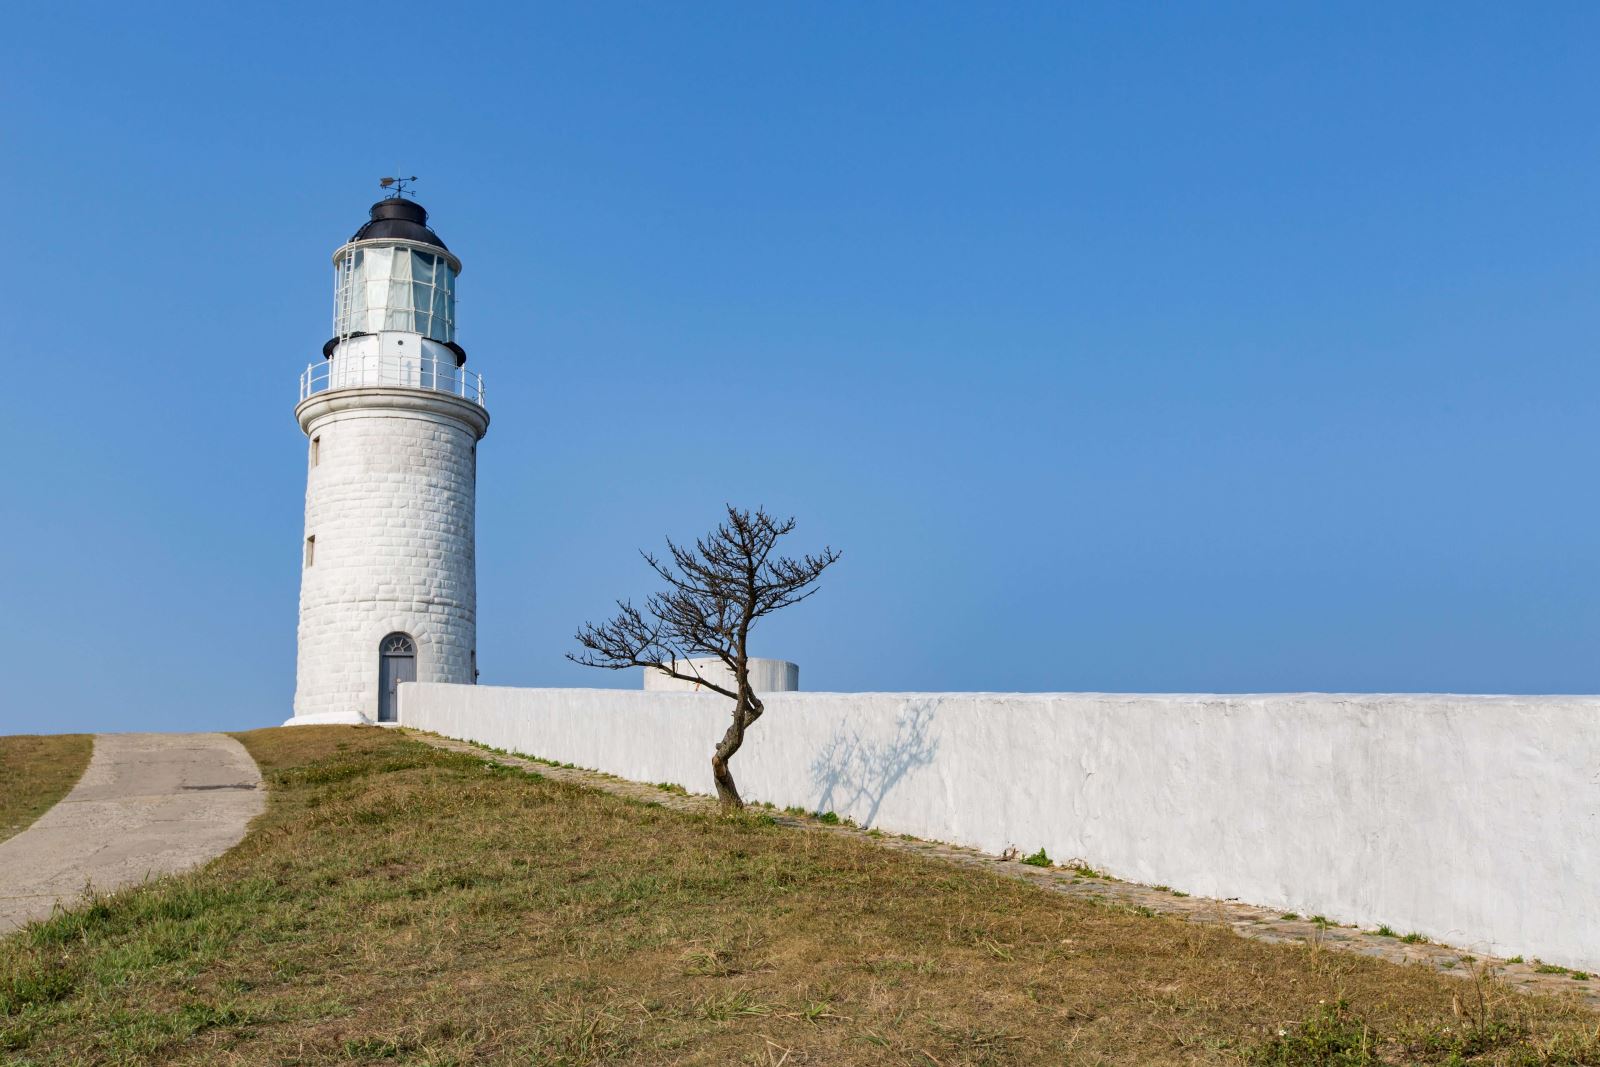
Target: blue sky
{"type": "Point", "coordinates": [1185, 347]}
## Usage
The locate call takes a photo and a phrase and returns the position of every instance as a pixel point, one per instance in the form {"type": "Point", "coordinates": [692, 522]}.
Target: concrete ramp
{"type": "Point", "coordinates": [147, 805]}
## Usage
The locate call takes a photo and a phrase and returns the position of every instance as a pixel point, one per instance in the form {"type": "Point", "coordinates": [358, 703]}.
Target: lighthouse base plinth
{"type": "Point", "coordinates": [334, 718]}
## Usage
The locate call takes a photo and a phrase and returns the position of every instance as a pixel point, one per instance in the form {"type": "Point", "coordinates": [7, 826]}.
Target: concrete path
{"type": "Point", "coordinates": [147, 805]}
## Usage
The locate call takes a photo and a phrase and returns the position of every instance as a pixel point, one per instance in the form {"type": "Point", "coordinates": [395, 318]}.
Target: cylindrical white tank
{"type": "Point", "coordinates": [388, 588]}
{"type": "Point", "coordinates": [766, 676]}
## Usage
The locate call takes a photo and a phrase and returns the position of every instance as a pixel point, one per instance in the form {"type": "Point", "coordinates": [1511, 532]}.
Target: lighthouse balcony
{"type": "Point", "coordinates": [428, 370]}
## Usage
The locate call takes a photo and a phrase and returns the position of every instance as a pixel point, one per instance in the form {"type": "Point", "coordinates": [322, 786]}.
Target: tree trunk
{"type": "Point", "coordinates": [745, 712]}
{"type": "Point", "coordinates": [727, 791]}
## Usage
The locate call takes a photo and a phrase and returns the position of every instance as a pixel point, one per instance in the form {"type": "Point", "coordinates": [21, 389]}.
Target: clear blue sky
{"type": "Point", "coordinates": [1119, 347]}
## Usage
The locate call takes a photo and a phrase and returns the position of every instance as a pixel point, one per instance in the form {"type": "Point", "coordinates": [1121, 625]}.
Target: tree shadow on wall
{"type": "Point", "coordinates": [851, 769]}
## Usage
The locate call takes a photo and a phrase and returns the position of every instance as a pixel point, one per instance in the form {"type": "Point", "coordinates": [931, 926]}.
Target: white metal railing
{"type": "Point", "coordinates": [352, 371]}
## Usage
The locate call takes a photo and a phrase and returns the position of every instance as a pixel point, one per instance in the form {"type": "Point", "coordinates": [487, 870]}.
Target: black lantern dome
{"type": "Point", "coordinates": [399, 219]}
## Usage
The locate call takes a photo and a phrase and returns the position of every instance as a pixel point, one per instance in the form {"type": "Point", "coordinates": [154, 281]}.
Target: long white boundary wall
{"type": "Point", "coordinates": [1473, 820]}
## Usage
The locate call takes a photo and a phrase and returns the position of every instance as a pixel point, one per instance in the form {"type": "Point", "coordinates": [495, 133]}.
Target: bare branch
{"type": "Point", "coordinates": [716, 590]}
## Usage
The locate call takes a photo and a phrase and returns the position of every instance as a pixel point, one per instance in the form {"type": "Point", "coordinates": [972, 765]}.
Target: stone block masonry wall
{"type": "Point", "coordinates": [390, 503]}
{"type": "Point", "coordinates": [1472, 820]}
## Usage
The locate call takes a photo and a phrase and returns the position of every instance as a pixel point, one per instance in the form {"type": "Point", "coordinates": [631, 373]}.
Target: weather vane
{"type": "Point", "coordinates": [398, 185]}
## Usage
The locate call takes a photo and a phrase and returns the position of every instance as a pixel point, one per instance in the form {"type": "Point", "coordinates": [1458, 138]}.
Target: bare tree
{"type": "Point", "coordinates": [716, 591]}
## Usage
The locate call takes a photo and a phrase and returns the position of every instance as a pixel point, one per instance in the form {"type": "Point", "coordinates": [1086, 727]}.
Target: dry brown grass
{"type": "Point", "coordinates": [398, 904]}
{"type": "Point", "coordinates": [36, 770]}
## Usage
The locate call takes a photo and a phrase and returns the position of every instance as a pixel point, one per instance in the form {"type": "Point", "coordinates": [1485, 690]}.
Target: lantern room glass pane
{"type": "Point", "coordinates": [422, 300]}
{"type": "Point", "coordinates": [396, 289]}
{"type": "Point", "coordinates": [442, 326]}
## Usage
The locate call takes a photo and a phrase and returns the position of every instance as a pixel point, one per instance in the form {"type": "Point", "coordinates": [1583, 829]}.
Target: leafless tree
{"type": "Point", "coordinates": [715, 593]}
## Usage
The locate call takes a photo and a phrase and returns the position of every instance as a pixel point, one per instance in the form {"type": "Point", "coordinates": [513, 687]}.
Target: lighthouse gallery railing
{"type": "Point", "coordinates": [406, 372]}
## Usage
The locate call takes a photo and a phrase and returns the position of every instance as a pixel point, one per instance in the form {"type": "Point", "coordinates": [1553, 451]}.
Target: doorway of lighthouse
{"type": "Point", "coordinates": [397, 662]}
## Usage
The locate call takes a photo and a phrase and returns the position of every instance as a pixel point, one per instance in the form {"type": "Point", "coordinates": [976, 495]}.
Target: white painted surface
{"type": "Point", "coordinates": [393, 359]}
{"type": "Point", "coordinates": [390, 501]}
{"type": "Point", "coordinates": [766, 676]}
{"type": "Point", "coordinates": [1472, 820]}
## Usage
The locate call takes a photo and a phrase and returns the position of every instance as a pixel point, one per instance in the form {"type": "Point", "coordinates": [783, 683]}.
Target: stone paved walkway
{"type": "Point", "coordinates": [147, 805]}
{"type": "Point", "coordinates": [1262, 924]}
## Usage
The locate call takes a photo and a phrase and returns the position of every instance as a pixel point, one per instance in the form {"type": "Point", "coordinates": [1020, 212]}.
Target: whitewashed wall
{"type": "Point", "coordinates": [1472, 820]}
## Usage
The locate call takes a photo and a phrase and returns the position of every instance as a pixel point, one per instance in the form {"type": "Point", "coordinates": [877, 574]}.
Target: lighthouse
{"type": "Point", "coordinates": [392, 418]}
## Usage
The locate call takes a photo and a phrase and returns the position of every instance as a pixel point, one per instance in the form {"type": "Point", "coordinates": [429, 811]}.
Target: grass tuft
{"type": "Point", "coordinates": [1331, 1037]}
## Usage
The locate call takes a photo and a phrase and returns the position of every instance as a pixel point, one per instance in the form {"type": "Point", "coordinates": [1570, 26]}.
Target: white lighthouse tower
{"type": "Point", "coordinates": [388, 586]}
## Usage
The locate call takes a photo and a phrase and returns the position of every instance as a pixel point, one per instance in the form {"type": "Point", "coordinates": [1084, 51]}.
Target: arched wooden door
{"type": "Point", "coordinates": [397, 662]}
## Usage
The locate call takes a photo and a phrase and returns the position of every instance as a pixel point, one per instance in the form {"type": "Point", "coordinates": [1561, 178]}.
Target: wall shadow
{"type": "Point", "coordinates": [851, 769]}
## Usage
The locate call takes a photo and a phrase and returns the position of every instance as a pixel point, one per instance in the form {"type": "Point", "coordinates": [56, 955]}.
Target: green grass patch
{"type": "Point", "coordinates": [37, 770]}
{"type": "Point", "coordinates": [1331, 1037]}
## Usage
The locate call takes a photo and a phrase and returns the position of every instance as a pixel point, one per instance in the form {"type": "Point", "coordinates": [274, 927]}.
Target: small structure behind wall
{"type": "Point", "coordinates": [766, 676]}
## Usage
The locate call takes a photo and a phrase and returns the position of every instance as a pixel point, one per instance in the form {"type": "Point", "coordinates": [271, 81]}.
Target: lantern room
{"type": "Point", "coordinates": [394, 305]}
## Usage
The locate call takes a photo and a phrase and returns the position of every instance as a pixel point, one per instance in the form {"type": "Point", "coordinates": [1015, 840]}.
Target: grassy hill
{"type": "Point", "coordinates": [398, 904]}
{"type": "Point", "coordinates": [36, 770]}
